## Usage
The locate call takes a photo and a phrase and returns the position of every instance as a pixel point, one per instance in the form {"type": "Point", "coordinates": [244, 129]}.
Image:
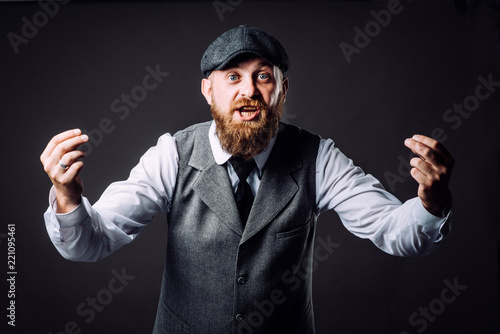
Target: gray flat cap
{"type": "Point", "coordinates": [241, 40]}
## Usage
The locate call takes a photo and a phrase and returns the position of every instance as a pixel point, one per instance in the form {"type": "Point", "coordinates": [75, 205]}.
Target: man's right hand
{"type": "Point", "coordinates": [60, 162]}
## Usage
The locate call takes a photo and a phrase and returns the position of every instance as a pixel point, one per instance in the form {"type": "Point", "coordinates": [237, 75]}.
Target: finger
{"type": "Point", "coordinates": [56, 140]}
{"type": "Point", "coordinates": [436, 146]}
{"type": "Point", "coordinates": [425, 152]}
{"type": "Point", "coordinates": [71, 173]}
{"type": "Point", "coordinates": [70, 157]}
{"type": "Point", "coordinates": [65, 162]}
{"type": "Point", "coordinates": [424, 167]}
{"type": "Point", "coordinates": [420, 177]}
{"type": "Point", "coordinates": [52, 164]}
{"type": "Point", "coordinates": [65, 147]}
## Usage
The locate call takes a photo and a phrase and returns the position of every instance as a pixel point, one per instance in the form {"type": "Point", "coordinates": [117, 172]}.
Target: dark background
{"type": "Point", "coordinates": [428, 58]}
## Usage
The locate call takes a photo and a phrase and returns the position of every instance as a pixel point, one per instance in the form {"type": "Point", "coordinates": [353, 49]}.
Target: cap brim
{"type": "Point", "coordinates": [233, 56]}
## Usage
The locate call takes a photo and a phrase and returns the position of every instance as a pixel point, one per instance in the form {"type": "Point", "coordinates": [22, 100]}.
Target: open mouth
{"type": "Point", "coordinates": [248, 113]}
{"type": "Point", "coordinates": [248, 110]}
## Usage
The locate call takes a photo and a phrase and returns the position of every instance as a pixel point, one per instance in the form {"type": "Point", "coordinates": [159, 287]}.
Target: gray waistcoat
{"type": "Point", "coordinates": [220, 278]}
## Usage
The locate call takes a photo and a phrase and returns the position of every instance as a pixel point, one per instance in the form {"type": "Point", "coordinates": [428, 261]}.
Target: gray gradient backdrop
{"type": "Point", "coordinates": [426, 59]}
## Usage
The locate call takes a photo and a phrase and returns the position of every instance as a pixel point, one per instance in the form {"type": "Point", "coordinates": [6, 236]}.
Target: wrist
{"type": "Point", "coordinates": [65, 204]}
{"type": "Point", "coordinates": [433, 209]}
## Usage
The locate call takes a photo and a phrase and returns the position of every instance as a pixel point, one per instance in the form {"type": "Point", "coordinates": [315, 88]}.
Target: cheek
{"type": "Point", "coordinates": [270, 95]}
{"type": "Point", "coordinates": [223, 98]}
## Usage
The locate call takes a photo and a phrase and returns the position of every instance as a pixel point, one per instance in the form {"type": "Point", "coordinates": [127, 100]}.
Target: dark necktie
{"type": "Point", "coordinates": [244, 195]}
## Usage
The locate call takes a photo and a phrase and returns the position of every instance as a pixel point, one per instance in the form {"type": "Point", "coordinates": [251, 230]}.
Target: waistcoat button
{"type": "Point", "coordinates": [239, 317]}
{"type": "Point", "coordinates": [241, 280]}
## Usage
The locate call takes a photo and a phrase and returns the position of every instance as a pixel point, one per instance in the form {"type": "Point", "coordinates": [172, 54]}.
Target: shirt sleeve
{"type": "Point", "coordinates": [89, 233]}
{"type": "Point", "coordinates": [368, 211]}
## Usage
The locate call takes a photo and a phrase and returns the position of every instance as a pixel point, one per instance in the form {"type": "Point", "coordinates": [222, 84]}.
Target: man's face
{"type": "Point", "coordinates": [246, 102]}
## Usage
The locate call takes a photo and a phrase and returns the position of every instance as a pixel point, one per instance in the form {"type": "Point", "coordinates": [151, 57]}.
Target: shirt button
{"type": "Point", "coordinates": [241, 280]}
{"type": "Point", "coordinates": [239, 317]}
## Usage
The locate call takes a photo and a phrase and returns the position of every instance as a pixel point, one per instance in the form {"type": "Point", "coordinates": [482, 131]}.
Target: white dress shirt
{"type": "Point", "coordinates": [89, 233]}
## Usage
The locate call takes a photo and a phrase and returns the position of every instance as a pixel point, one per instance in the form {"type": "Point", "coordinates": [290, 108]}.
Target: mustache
{"type": "Point", "coordinates": [246, 102]}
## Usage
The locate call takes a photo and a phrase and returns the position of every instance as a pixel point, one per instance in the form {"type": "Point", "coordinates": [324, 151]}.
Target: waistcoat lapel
{"type": "Point", "coordinates": [277, 186]}
{"type": "Point", "coordinates": [213, 185]}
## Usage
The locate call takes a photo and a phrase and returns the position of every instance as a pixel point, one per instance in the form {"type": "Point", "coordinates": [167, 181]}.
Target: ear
{"type": "Point", "coordinates": [206, 90]}
{"type": "Point", "coordinates": [285, 86]}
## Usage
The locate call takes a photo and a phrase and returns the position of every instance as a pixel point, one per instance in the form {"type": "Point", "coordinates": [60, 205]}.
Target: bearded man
{"type": "Point", "coordinates": [242, 195]}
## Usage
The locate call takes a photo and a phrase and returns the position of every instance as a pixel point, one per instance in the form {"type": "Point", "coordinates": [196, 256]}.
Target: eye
{"type": "Point", "coordinates": [233, 77]}
{"type": "Point", "coordinates": [264, 76]}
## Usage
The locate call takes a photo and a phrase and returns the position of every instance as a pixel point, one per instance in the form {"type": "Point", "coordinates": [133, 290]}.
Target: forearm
{"type": "Point", "coordinates": [83, 234]}
{"type": "Point", "coordinates": [409, 230]}
{"type": "Point", "coordinates": [368, 211]}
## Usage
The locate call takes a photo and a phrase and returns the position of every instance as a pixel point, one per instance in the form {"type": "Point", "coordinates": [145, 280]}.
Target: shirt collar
{"type": "Point", "coordinates": [221, 156]}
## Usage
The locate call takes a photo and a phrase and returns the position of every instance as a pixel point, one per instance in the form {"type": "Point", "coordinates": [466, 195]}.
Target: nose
{"type": "Point", "coordinates": [249, 88]}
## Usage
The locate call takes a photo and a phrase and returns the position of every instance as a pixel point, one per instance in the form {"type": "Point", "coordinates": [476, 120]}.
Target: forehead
{"type": "Point", "coordinates": [247, 60]}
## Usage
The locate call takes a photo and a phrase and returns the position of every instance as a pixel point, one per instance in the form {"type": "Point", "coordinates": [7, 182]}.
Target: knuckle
{"type": "Point", "coordinates": [81, 153]}
{"type": "Point", "coordinates": [53, 176]}
{"type": "Point", "coordinates": [57, 139]}
{"type": "Point", "coordinates": [442, 170]}
{"type": "Point", "coordinates": [68, 157]}
{"type": "Point", "coordinates": [437, 179]}
{"type": "Point", "coordinates": [426, 151]}
{"type": "Point", "coordinates": [58, 149]}
{"type": "Point", "coordinates": [431, 141]}
{"type": "Point", "coordinates": [78, 164]}
{"type": "Point", "coordinates": [417, 162]}
{"type": "Point", "coordinates": [62, 148]}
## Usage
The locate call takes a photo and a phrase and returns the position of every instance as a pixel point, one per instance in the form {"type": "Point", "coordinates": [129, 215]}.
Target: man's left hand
{"type": "Point", "coordinates": [432, 170]}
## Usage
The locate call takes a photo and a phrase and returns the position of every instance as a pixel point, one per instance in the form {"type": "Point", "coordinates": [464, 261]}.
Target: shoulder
{"type": "Point", "coordinates": [295, 144]}
{"type": "Point", "coordinates": [296, 136]}
{"type": "Point", "coordinates": [191, 130]}
{"type": "Point", "coordinates": [193, 140]}
{"type": "Point", "coordinates": [297, 132]}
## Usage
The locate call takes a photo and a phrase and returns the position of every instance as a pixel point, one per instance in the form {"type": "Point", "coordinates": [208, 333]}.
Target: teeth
{"type": "Point", "coordinates": [246, 113]}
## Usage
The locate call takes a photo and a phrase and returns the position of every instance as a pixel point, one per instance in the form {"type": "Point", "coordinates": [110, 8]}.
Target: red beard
{"type": "Point", "coordinates": [246, 139]}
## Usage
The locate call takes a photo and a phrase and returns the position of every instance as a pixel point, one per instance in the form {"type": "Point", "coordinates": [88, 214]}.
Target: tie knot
{"type": "Point", "coordinates": [241, 167]}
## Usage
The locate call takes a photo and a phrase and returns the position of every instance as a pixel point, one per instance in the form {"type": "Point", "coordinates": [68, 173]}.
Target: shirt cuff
{"type": "Point", "coordinates": [69, 219]}
{"type": "Point", "coordinates": [437, 227]}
